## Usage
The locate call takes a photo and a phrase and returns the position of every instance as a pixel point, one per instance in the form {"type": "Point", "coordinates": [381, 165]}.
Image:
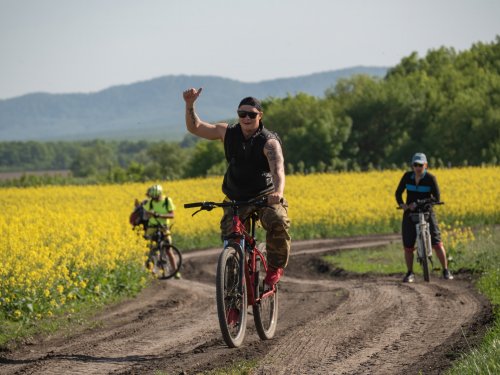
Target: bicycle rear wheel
{"type": "Point", "coordinates": [170, 261]}
{"type": "Point", "coordinates": [231, 295]}
{"type": "Point", "coordinates": [265, 311]}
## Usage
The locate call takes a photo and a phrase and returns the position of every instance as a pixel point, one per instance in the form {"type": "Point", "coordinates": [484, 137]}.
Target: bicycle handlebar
{"type": "Point", "coordinates": [432, 202]}
{"type": "Point", "coordinates": [196, 204]}
{"type": "Point", "coordinates": [425, 202]}
{"type": "Point", "coordinates": [208, 206]}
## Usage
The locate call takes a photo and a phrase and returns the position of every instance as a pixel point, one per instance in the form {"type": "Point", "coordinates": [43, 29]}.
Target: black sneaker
{"type": "Point", "coordinates": [447, 274]}
{"type": "Point", "coordinates": [409, 277]}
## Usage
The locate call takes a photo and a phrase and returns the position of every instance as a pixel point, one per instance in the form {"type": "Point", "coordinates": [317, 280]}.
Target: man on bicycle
{"type": "Point", "coordinates": [256, 168]}
{"type": "Point", "coordinates": [419, 184]}
{"type": "Point", "coordinates": [160, 210]}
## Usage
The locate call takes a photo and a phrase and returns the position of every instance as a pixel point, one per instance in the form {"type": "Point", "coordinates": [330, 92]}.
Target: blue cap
{"type": "Point", "coordinates": [419, 158]}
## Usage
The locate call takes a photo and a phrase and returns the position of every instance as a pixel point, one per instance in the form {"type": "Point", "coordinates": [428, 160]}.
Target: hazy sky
{"type": "Point", "coordinates": [62, 46]}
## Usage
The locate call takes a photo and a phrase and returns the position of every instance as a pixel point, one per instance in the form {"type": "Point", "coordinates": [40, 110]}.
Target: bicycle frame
{"type": "Point", "coordinates": [159, 238]}
{"type": "Point", "coordinates": [245, 244]}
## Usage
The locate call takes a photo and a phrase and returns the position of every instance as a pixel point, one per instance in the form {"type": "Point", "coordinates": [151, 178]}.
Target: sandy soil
{"type": "Point", "coordinates": [330, 322]}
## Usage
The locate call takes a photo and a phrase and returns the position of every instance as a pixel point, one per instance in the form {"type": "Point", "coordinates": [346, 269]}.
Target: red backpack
{"type": "Point", "coordinates": [138, 216]}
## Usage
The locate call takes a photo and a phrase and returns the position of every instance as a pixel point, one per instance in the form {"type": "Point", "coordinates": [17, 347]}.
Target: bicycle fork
{"type": "Point", "coordinates": [424, 240]}
{"type": "Point", "coordinates": [239, 246]}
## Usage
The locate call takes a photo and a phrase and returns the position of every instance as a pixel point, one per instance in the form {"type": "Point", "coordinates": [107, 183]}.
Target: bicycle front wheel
{"type": "Point", "coordinates": [231, 295]}
{"type": "Point", "coordinates": [422, 254]}
{"type": "Point", "coordinates": [170, 261]}
{"type": "Point", "coordinates": [153, 261]}
{"type": "Point", "coordinates": [265, 310]}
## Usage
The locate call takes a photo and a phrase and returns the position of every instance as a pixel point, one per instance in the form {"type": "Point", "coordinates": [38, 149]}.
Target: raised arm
{"type": "Point", "coordinates": [193, 123]}
{"type": "Point", "coordinates": [274, 154]}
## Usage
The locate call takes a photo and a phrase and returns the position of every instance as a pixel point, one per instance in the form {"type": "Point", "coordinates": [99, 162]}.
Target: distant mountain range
{"type": "Point", "coordinates": [151, 109]}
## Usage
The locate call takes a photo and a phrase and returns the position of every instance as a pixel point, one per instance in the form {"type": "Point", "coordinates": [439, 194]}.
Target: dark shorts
{"type": "Point", "coordinates": [410, 232]}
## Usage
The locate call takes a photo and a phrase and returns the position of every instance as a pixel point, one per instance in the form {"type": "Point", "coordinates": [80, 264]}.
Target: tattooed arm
{"type": "Point", "coordinates": [193, 123]}
{"type": "Point", "coordinates": [274, 154]}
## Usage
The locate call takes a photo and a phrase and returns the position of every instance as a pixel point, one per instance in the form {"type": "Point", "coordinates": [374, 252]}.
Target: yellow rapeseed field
{"type": "Point", "coordinates": [60, 244]}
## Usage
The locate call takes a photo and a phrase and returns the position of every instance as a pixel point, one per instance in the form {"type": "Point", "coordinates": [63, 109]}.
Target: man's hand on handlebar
{"type": "Point", "coordinates": [153, 214]}
{"type": "Point", "coordinates": [274, 198]}
{"type": "Point", "coordinates": [410, 206]}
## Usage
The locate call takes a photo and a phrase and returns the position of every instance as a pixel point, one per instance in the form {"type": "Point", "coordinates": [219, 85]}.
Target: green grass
{"type": "Point", "coordinates": [124, 282]}
{"type": "Point", "coordinates": [386, 260]}
{"type": "Point", "coordinates": [237, 368]}
{"type": "Point", "coordinates": [482, 360]}
{"type": "Point", "coordinates": [68, 320]}
{"type": "Point", "coordinates": [483, 258]}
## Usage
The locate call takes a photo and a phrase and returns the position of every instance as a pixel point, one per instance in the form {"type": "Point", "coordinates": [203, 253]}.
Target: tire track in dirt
{"type": "Point", "coordinates": [382, 327]}
{"type": "Point", "coordinates": [328, 323]}
{"type": "Point", "coordinates": [131, 334]}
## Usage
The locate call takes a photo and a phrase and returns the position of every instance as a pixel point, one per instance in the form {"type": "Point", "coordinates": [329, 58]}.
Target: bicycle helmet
{"type": "Point", "coordinates": [155, 191]}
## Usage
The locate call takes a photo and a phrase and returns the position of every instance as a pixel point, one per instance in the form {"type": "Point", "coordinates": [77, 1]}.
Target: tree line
{"type": "Point", "coordinates": [446, 104]}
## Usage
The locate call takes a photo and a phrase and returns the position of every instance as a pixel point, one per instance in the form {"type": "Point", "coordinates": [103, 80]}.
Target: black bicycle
{"type": "Point", "coordinates": [164, 259]}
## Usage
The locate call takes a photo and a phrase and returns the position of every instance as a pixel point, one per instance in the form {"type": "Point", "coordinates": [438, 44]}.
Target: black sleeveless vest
{"type": "Point", "coordinates": [248, 174]}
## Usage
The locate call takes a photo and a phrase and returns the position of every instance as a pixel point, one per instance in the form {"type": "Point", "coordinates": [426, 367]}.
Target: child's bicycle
{"type": "Point", "coordinates": [420, 216]}
{"type": "Point", "coordinates": [241, 270]}
{"type": "Point", "coordinates": [164, 259]}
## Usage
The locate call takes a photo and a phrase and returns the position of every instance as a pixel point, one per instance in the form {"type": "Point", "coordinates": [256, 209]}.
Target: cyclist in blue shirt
{"type": "Point", "coordinates": [419, 184]}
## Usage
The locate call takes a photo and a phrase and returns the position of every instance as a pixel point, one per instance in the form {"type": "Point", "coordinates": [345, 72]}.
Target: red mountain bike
{"type": "Point", "coordinates": [241, 270]}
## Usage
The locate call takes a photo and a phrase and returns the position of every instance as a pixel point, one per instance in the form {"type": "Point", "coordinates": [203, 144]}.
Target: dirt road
{"type": "Point", "coordinates": [330, 322]}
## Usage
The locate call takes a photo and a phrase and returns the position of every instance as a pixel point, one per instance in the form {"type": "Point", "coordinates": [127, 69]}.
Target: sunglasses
{"type": "Point", "coordinates": [418, 165]}
{"type": "Point", "coordinates": [243, 114]}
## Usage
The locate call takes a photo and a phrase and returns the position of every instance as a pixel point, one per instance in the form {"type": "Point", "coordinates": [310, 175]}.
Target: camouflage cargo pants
{"type": "Point", "coordinates": [275, 221]}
